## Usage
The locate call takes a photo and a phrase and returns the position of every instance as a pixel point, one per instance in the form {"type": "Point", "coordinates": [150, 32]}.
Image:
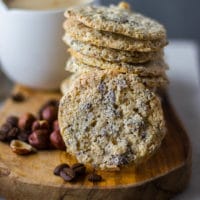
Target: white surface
{"type": "Point", "coordinates": [184, 90]}
{"type": "Point", "coordinates": [185, 95]}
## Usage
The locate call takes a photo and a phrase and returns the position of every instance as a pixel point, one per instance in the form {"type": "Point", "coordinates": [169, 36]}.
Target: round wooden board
{"type": "Point", "coordinates": [31, 177]}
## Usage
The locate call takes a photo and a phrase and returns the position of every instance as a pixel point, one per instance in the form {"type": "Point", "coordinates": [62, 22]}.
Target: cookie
{"type": "Point", "coordinates": [77, 68]}
{"type": "Point", "coordinates": [67, 83]}
{"type": "Point", "coordinates": [112, 55]}
{"type": "Point", "coordinates": [80, 32]}
{"type": "Point", "coordinates": [109, 119]}
{"type": "Point", "coordinates": [118, 20]}
{"type": "Point", "coordinates": [155, 67]}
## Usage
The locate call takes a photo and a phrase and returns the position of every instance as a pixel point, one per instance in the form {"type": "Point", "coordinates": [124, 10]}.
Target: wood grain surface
{"type": "Point", "coordinates": [31, 177]}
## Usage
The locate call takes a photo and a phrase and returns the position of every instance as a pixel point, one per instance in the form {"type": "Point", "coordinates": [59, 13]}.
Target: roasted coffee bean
{"type": "Point", "coordinates": [79, 168]}
{"type": "Point", "coordinates": [12, 134]}
{"type": "Point", "coordinates": [93, 177]}
{"type": "Point", "coordinates": [13, 120]}
{"type": "Point", "coordinates": [18, 97]}
{"type": "Point", "coordinates": [59, 168]}
{"type": "Point", "coordinates": [68, 174]}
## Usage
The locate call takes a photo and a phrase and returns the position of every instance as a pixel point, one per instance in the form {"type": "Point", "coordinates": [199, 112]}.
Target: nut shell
{"type": "Point", "coordinates": [21, 148]}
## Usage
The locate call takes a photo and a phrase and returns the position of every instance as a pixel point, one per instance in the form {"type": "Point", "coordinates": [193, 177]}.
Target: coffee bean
{"type": "Point", "coordinates": [18, 97]}
{"type": "Point", "coordinates": [13, 120]}
{"type": "Point", "coordinates": [59, 168]}
{"type": "Point", "coordinates": [68, 174]}
{"type": "Point", "coordinates": [93, 177]}
{"type": "Point", "coordinates": [79, 168]}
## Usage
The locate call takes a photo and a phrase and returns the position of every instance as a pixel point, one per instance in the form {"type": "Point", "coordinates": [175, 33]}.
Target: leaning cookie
{"type": "Point", "coordinates": [82, 33]}
{"type": "Point", "coordinates": [109, 120]}
{"type": "Point", "coordinates": [155, 67]}
{"type": "Point", "coordinates": [118, 20]}
{"type": "Point", "coordinates": [112, 55]}
{"type": "Point", "coordinates": [67, 83]}
{"type": "Point", "coordinates": [78, 68]}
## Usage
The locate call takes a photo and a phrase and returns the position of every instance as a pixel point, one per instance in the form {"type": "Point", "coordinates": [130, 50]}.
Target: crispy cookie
{"type": "Point", "coordinates": [80, 32]}
{"type": "Point", "coordinates": [67, 83]}
{"type": "Point", "coordinates": [155, 67]}
{"type": "Point", "coordinates": [77, 68]}
{"type": "Point", "coordinates": [117, 20]}
{"type": "Point", "coordinates": [109, 119]}
{"type": "Point", "coordinates": [112, 55]}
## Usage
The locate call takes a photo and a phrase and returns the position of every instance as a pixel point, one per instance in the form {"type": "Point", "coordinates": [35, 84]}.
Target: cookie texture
{"type": "Point", "coordinates": [68, 82]}
{"type": "Point", "coordinates": [118, 20]}
{"type": "Point", "coordinates": [80, 32]}
{"type": "Point", "coordinates": [108, 119]}
{"type": "Point", "coordinates": [77, 68]}
{"type": "Point", "coordinates": [156, 67]}
{"type": "Point", "coordinates": [111, 55]}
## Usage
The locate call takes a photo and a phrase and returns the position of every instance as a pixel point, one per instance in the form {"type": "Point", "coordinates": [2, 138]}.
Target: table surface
{"type": "Point", "coordinates": [184, 91]}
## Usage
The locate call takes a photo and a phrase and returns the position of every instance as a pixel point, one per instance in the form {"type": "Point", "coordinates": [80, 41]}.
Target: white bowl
{"type": "Point", "coordinates": [32, 52]}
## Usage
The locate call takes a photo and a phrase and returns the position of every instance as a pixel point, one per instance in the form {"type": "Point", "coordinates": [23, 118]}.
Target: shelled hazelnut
{"type": "Point", "coordinates": [40, 124]}
{"type": "Point", "coordinates": [25, 121]}
{"type": "Point", "coordinates": [50, 114]}
{"type": "Point", "coordinates": [39, 139]}
{"type": "Point", "coordinates": [56, 140]}
{"type": "Point", "coordinates": [56, 125]}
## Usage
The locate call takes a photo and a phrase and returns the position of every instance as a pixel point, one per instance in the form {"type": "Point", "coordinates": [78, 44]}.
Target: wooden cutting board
{"type": "Point", "coordinates": [30, 177]}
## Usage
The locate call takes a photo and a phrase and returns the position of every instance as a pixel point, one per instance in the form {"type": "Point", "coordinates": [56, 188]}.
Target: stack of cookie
{"type": "Point", "coordinates": [115, 38]}
{"type": "Point", "coordinates": [110, 115]}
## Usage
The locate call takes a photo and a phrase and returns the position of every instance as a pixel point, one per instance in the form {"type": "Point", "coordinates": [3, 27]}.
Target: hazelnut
{"type": "Point", "coordinates": [56, 140]}
{"type": "Point", "coordinates": [13, 120]}
{"type": "Point", "coordinates": [25, 121]}
{"type": "Point", "coordinates": [56, 125]}
{"type": "Point", "coordinates": [5, 128]}
{"type": "Point", "coordinates": [50, 113]}
{"type": "Point", "coordinates": [124, 5]}
{"type": "Point", "coordinates": [23, 136]}
{"type": "Point", "coordinates": [39, 139]}
{"type": "Point", "coordinates": [8, 132]}
{"type": "Point", "coordinates": [2, 136]}
{"type": "Point", "coordinates": [40, 124]}
{"type": "Point", "coordinates": [51, 102]}
{"type": "Point", "coordinates": [21, 148]}
{"type": "Point", "coordinates": [12, 134]}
